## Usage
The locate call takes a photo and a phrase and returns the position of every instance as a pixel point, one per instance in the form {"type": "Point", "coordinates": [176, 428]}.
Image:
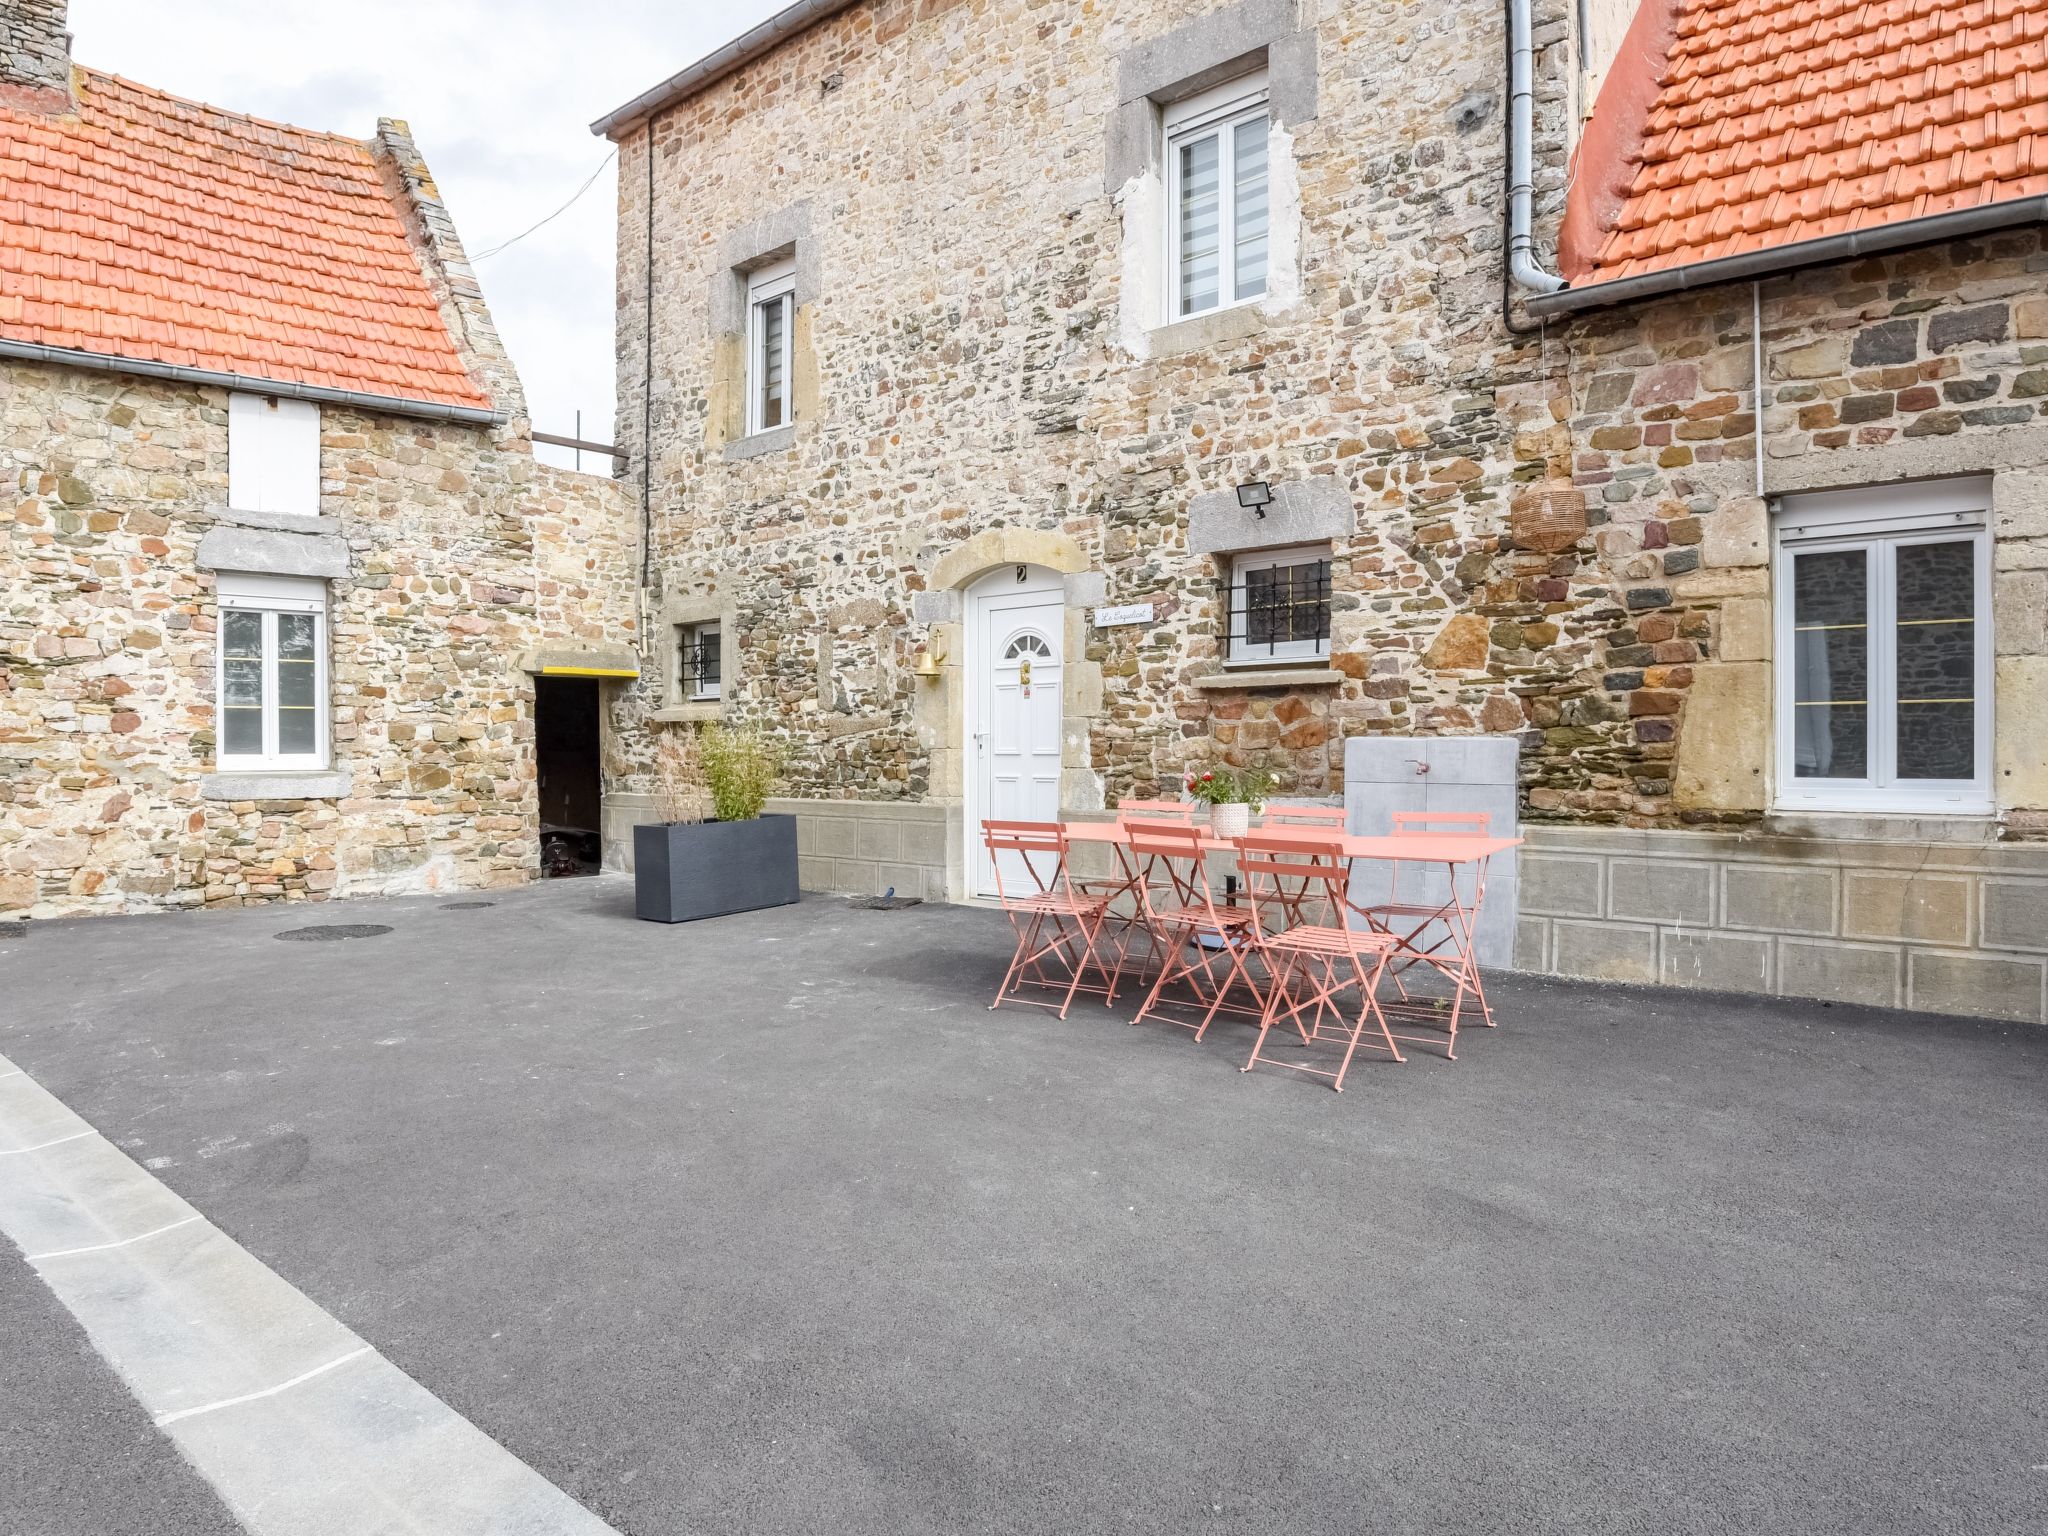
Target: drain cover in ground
{"type": "Point", "coordinates": [466, 906]}
{"type": "Point", "coordinates": [335, 931]}
{"type": "Point", "coordinates": [885, 903]}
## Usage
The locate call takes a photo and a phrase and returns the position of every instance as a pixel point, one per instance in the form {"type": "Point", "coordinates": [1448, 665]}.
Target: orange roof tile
{"type": "Point", "coordinates": [151, 227]}
{"type": "Point", "coordinates": [1769, 122]}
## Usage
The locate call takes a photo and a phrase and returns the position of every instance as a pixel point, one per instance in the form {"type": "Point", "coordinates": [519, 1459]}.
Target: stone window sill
{"type": "Point", "coordinates": [1204, 331]}
{"type": "Point", "coordinates": [696, 712]}
{"type": "Point", "coordinates": [317, 784]}
{"type": "Point", "coordinates": [774, 440]}
{"type": "Point", "coordinates": [1273, 677]}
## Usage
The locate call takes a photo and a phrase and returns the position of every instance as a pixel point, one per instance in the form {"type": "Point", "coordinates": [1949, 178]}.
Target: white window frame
{"type": "Point", "coordinates": [775, 284]}
{"type": "Point", "coordinates": [1286, 651]}
{"type": "Point", "coordinates": [705, 692]}
{"type": "Point", "coordinates": [1218, 111]}
{"type": "Point", "coordinates": [273, 455]}
{"type": "Point", "coordinates": [1880, 520]}
{"type": "Point", "coordinates": [271, 596]}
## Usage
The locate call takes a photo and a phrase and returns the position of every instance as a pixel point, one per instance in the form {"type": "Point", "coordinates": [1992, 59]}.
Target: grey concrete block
{"type": "Point", "coordinates": [875, 839]}
{"type": "Point", "coordinates": [2015, 914]}
{"type": "Point", "coordinates": [838, 837]}
{"type": "Point", "coordinates": [324, 784]}
{"type": "Point", "coordinates": [364, 1450]}
{"type": "Point", "coordinates": [774, 440]}
{"type": "Point", "coordinates": [1661, 890]}
{"type": "Point", "coordinates": [1532, 944]}
{"type": "Point", "coordinates": [1309, 511]}
{"type": "Point", "coordinates": [1725, 962]}
{"type": "Point", "coordinates": [1880, 905]}
{"type": "Point", "coordinates": [1847, 973]}
{"type": "Point", "coordinates": [935, 607]}
{"type": "Point", "coordinates": [191, 1319]}
{"type": "Point", "coordinates": [1988, 986]}
{"type": "Point", "coordinates": [1777, 899]}
{"type": "Point", "coordinates": [1561, 885]}
{"type": "Point", "coordinates": [80, 1194]}
{"type": "Point", "coordinates": [31, 1115]}
{"type": "Point", "coordinates": [271, 553]}
{"type": "Point", "coordinates": [1084, 589]}
{"type": "Point", "coordinates": [924, 842]}
{"type": "Point", "coordinates": [1604, 951]}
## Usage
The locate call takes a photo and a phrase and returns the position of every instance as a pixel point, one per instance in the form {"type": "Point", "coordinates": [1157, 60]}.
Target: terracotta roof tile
{"type": "Point", "coordinates": [153, 227]}
{"type": "Point", "coordinates": [1774, 121]}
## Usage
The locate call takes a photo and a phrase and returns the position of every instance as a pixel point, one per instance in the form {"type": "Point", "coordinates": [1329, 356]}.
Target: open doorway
{"type": "Point", "coordinates": [565, 731]}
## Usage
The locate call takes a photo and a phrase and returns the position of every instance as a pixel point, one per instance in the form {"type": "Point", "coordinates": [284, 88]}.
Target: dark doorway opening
{"type": "Point", "coordinates": [565, 733]}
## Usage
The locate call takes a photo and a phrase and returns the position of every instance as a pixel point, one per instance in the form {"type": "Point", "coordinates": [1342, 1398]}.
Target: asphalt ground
{"type": "Point", "coordinates": [767, 1224]}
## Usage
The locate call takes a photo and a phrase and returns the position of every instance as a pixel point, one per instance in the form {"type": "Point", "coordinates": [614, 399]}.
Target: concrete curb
{"type": "Point", "coordinates": [300, 1426]}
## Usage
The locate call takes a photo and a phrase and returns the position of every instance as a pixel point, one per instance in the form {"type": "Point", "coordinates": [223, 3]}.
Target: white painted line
{"type": "Point", "coordinates": [65, 1253]}
{"type": "Point", "coordinates": [74, 1136]}
{"type": "Point", "coordinates": [16, 1073]}
{"type": "Point", "coordinates": [250, 1397]}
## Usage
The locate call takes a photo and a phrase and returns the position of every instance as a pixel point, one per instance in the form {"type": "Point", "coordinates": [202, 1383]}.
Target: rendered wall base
{"type": "Point", "coordinates": [1932, 921]}
{"type": "Point", "coordinates": [845, 847]}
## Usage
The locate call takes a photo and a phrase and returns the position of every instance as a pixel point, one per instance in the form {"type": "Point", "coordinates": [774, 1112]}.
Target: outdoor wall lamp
{"type": "Point", "coordinates": [1254, 496]}
{"type": "Point", "coordinates": [927, 660]}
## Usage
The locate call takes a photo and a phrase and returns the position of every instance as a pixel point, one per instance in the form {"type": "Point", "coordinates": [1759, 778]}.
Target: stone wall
{"type": "Point", "coordinates": [1557, 535]}
{"type": "Point", "coordinates": [464, 555]}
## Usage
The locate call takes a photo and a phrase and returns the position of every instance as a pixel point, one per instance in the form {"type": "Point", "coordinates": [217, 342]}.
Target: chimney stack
{"type": "Point", "coordinates": [35, 56]}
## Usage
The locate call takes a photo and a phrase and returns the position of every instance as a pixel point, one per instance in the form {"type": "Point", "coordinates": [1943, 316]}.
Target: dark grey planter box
{"type": "Point", "coordinates": [684, 871]}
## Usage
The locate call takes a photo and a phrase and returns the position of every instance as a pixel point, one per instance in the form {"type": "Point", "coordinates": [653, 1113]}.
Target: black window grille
{"type": "Point", "coordinates": [698, 669]}
{"type": "Point", "coordinates": [1278, 611]}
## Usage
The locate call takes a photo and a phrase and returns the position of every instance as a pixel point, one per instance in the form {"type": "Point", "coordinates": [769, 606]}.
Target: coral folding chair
{"type": "Point", "coordinates": [1435, 933]}
{"type": "Point", "coordinates": [1202, 944]}
{"type": "Point", "coordinates": [1309, 962]}
{"type": "Point", "coordinates": [1055, 922]}
{"type": "Point", "coordinates": [1127, 923]}
{"type": "Point", "coordinates": [1296, 819]}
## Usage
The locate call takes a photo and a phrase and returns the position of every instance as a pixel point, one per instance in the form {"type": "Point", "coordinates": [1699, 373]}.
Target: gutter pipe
{"type": "Point", "coordinates": [1955, 223]}
{"type": "Point", "coordinates": [1523, 268]}
{"type": "Point", "coordinates": [715, 66]}
{"type": "Point", "coordinates": [149, 368]}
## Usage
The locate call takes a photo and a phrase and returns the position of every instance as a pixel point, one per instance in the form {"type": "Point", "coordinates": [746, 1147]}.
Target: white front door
{"type": "Point", "coordinates": [1015, 618]}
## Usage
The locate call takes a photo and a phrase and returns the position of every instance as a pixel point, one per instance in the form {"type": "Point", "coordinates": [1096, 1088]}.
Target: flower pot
{"type": "Point", "coordinates": [1231, 820]}
{"type": "Point", "coordinates": [686, 870]}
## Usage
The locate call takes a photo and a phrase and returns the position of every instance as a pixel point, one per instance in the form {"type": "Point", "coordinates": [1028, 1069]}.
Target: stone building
{"type": "Point", "coordinates": [1038, 401]}
{"type": "Point", "coordinates": [277, 565]}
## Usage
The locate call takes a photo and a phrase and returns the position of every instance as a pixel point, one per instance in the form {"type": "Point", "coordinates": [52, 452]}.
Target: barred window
{"type": "Point", "coordinates": [1279, 606]}
{"type": "Point", "coordinates": [698, 672]}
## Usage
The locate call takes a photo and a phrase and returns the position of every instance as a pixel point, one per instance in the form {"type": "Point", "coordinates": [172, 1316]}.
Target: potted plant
{"type": "Point", "coordinates": [1231, 795]}
{"type": "Point", "coordinates": [689, 864]}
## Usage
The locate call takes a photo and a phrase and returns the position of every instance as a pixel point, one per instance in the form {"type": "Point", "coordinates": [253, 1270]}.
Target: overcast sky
{"type": "Point", "coordinates": [500, 95]}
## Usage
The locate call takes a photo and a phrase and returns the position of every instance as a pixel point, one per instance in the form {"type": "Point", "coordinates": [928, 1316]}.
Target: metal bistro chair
{"type": "Point", "coordinates": [1406, 922]}
{"type": "Point", "coordinates": [1132, 872]}
{"type": "Point", "coordinates": [1055, 923]}
{"type": "Point", "coordinates": [1322, 818]}
{"type": "Point", "coordinates": [1182, 913]}
{"type": "Point", "coordinates": [1309, 963]}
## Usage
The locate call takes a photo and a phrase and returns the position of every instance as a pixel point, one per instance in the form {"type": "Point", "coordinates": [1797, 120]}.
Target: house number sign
{"type": "Point", "coordinates": [1130, 613]}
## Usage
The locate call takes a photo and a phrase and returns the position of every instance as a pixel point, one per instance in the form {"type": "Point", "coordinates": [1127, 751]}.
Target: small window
{"type": "Point", "coordinates": [272, 673]}
{"type": "Point", "coordinates": [1884, 649]}
{"type": "Point", "coordinates": [771, 318]}
{"type": "Point", "coordinates": [698, 674]}
{"type": "Point", "coordinates": [1028, 647]}
{"type": "Point", "coordinates": [1217, 216]}
{"type": "Point", "coordinates": [1279, 606]}
{"type": "Point", "coordinates": [273, 455]}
